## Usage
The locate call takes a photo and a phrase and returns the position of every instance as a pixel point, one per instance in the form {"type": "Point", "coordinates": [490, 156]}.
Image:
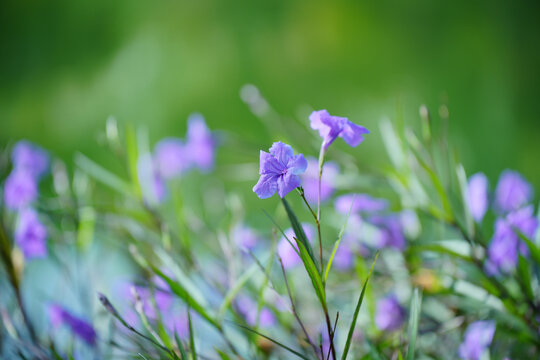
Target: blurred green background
{"type": "Point", "coordinates": [66, 66]}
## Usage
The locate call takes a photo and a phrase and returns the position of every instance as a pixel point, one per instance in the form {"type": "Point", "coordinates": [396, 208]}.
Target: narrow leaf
{"type": "Point", "coordinates": [298, 230]}
{"type": "Point", "coordinates": [191, 337]}
{"type": "Point", "coordinates": [414, 316]}
{"type": "Point", "coordinates": [102, 175]}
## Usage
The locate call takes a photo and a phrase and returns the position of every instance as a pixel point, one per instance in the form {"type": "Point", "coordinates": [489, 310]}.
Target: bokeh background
{"type": "Point", "coordinates": [65, 67]}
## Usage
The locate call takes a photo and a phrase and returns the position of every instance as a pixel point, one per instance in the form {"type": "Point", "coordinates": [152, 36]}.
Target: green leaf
{"type": "Point", "coordinates": [292, 351]}
{"type": "Point", "coordinates": [535, 252]}
{"type": "Point", "coordinates": [357, 310]}
{"type": "Point", "coordinates": [313, 274]}
{"type": "Point", "coordinates": [414, 316]}
{"type": "Point", "coordinates": [181, 292]}
{"type": "Point", "coordinates": [525, 276]}
{"type": "Point", "coordinates": [222, 355]}
{"type": "Point", "coordinates": [299, 230]}
{"type": "Point", "coordinates": [183, 355]}
{"type": "Point", "coordinates": [103, 175]}
{"type": "Point", "coordinates": [191, 337]}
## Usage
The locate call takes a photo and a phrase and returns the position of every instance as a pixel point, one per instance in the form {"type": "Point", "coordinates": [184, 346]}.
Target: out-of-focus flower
{"type": "Point", "coordinates": [330, 127]}
{"type": "Point", "coordinates": [30, 158]}
{"type": "Point", "coordinates": [410, 223]}
{"type": "Point", "coordinates": [505, 244]}
{"type": "Point", "coordinates": [360, 203]}
{"type": "Point", "coordinates": [288, 255]}
{"type": "Point", "coordinates": [310, 180]}
{"type": "Point", "coordinates": [200, 144]}
{"type": "Point", "coordinates": [344, 257]}
{"type": "Point", "coordinates": [245, 237]}
{"type": "Point", "coordinates": [20, 189]}
{"type": "Point", "coordinates": [478, 337]}
{"type": "Point", "coordinates": [512, 191]}
{"type": "Point", "coordinates": [248, 308]}
{"type": "Point", "coordinates": [81, 328]}
{"type": "Point", "coordinates": [389, 315]}
{"type": "Point", "coordinates": [177, 323]}
{"type": "Point", "coordinates": [171, 158]}
{"type": "Point", "coordinates": [150, 180]}
{"type": "Point", "coordinates": [391, 231]}
{"type": "Point", "coordinates": [31, 234]}
{"type": "Point", "coordinates": [279, 171]}
{"type": "Point", "coordinates": [477, 196]}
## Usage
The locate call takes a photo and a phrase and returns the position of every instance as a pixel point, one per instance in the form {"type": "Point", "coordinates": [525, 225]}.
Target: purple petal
{"type": "Point", "coordinates": [20, 189]}
{"type": "Point", "coordinates": [31, 234]}
{"type": "Point", "coordinates": [171, 158]}
{"type": "Point", "coordinates": [297, 164]}
{"type": "Point", "coordinates": [389, 315]}
{"type": "Point", "coordinates": [360, 203]}
{"type": "Point", "coordinates": [478, 337]}
{"type": "Point", "coordinates": [266, 186]}
{"type": "Point", "coordinates": [269, 164]}
{"type": "Point", "coordinates": [310, 180]}
{"type": "Point", "coordinates": [503, 249]}
{"type": "Point", "coordinates": [31, 158]}
{"type": "Point", "coordinates": [287, 183]}
{"type": "Point", "coordinates": [282, 152]}
{"type": "Point", "coordinates": [200, 143]}
{"type": "Point", "coordinates": [352, 133]}
{"type": "Point", "coordinates": [512, 191]}
{"type": "Point", "coordinates": [477, 196]}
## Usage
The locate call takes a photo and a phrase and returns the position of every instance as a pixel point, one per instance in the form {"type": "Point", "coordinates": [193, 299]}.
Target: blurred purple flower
{"type": "Point", "coordinates": [31, 234]}
{"type": "Point", "coordinates": [279, 171]}
{"type": "Point", "coordinates": [344, 257]}
{"type": "Point", "coordinates": [478, 337]}
{"type": "Point", "coordinates": [289, 256]}
{"type": "Point", "coordinates": [200, 144]}
{"type": "Point", "coordinates": [81, 328]}
{"type": "Point", "coordinates": [477, 196]}
{"type": "Point", "coordinates": [391, 231]}
{"type": "Point", "coordinates": [248, 308]}
{"type": "Point", "coordinates": [245, 237]}
{"type": "Point", "coordinates": [512, 191]}
{"type": "Point", "coordinates": [20, 189]}
{"type": "Point", "coordinates": [360, 203]}
{"type": "Point", "coordinates": [330, 127]}
{"type": "Point", "coordinates": [310, 180]}
{"type": "Point", "coordinates": [390, 315]}
{"type": "Point", "coordinates": [177, 323]}
{"type": "Point", "coordinates": [505, 244]}
{"type": "Point", "coordinates": [152, 184]}
{"type": "Point", "coordinates": [30, 158]}
{"type": "Point", "coordinates": [171, 158]}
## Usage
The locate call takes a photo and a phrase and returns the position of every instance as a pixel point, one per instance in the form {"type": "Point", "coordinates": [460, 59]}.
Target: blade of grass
{"type": "Point", "coordinates": [183, 355]}
{"type": "Point", "coordinates": [103, 175]}
{"type": "Point", "coordinates": [414, 316]}
{"type": "Point", "coordinates": [191, 336]}
{"type": "Point", "coordinates": [357, 310]}
{"type": "Point", "coordinates": [299, 230]}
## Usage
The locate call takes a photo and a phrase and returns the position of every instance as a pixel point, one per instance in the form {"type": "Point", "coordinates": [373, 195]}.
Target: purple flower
{"type": "Point", "coordinates": [391, 231]}
{"type": "Point", "coordinates": [31, 234]}
{"type": "Point", "coordinates": [177, 323]}
{"type": "Point", "coordinates": [505, 245]}
{"type": "Point", "coordinates": [289, 256]}
{"type": "Point", "coordinates": [20, 189]}
{"type": "Point", "coordinates": [477, 196]}
{"type": "Point", "coordinates": [360, 203]}
{"type": "Point", "coordinates": [512, 191]}
{"type": "Point", "coordinates": [310, 180]}
{"type": "Point", "coordinates": [245, 237]}
{"type": "Point", "coordinates": [279, 171]}
{"type": "Point", "coordinates": [389, 315]}
{"type": "Point", "coordinates": [30, 158]}
{"type": "Point", "coordinates": [249, 309]}
{"type": "Point", "coordinates": [171, 158]}
{"type": "Point", "coordinates": [478, 337]}
{"type": "Point", "coordinates": [330, 127]}
{"type": "Point", "coordinates": [81, 328]}
{"type": "Point", "coordinates": [344, 257]}
{"type": "Point", "coordinates": [151, 182]}
{"type": "Point", "coordinates": [200, 144]}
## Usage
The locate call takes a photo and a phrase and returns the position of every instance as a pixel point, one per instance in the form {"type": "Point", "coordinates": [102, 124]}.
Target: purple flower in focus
{"type": "Point", "coordinates": [30, 158]}
{"type": "Point", "coordinates": [512, 191]}
{"type": "Point", "coordinates": [289, 256]}
{"type": "Point", "coordinates": [248, 308]}
{"type": "Point", "coordinates": [330, 127]}
{"type": "Point", "coordinates": [310, 179]}
{"type": "Point", "coordinates": [391, 231]}
{"type": "Point", "coordinates": [389, 315]}
{"type": "Point", "coordinates": [477, 196]}
{"type": "Point", "coordinates": [478, 337]}
{"type": "Point", "coordinates": [279, 171]}
{"type": "Point", "coordinates": [31, 234]}
{"type": "Point", "coordinates": [200, 144]}
{"type": "Point", "coordinates": [20, 189]}
{"type": "Point", "coordinates": [360, 203]}
{"type": "Point", "coordinates": [81, 328]}
{"type": "Point", "coordinates": [245, 237]}
{"type": "Point", "coordinates": [505, 245]}
{"type": "Point", "coordinates": [171, 158]}
{"type": "Point", "coordinates": [150, 180]}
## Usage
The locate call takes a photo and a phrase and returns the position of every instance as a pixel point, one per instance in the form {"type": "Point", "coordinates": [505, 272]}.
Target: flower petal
{"type": "Point", "coordinates": [266, 186]}
{"type": "Point", "coordinates": [297, 164]}
{"type": "Point", "coordinates": [352, 133]}
{"type": "Point", "coordinates": [282, 152]}
{"type": "Point", "coordinates": [269, 164]}
{"type": "Point", "coordinates": [287, 183]}
{"type": "Point", "coordinates": [477, 196]}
